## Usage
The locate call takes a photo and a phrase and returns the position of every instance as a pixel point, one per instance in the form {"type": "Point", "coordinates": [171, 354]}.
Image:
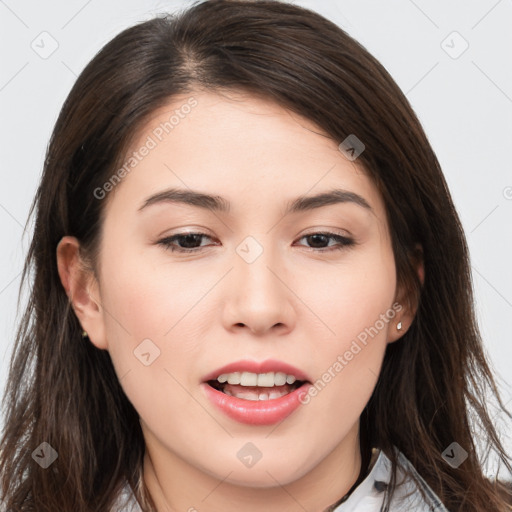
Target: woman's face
{"type": "Point", "coordinates": [256, 286]}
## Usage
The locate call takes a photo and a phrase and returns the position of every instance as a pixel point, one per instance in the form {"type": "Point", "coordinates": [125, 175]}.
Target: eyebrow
{"type": "Point", "coordinates": [219, 204]}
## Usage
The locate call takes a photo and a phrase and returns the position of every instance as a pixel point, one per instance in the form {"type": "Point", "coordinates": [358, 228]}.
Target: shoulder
{"type": "Point", "coordinates": [369, 494]}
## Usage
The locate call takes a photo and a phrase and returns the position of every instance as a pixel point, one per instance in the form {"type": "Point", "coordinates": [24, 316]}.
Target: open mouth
{"type": "Point", "coordinates": [255, 393]}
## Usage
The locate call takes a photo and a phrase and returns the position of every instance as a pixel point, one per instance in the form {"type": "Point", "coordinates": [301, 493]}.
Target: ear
{"type": "Point", "coordinates": [409, 305]}
{"type": "Point", "coordinates": [82, 290]}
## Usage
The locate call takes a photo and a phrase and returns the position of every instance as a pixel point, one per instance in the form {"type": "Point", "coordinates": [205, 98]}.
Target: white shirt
{"type": "Point", "coordinates": [366, 497]}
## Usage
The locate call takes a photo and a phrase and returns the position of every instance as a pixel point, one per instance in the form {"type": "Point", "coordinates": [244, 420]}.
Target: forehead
{"type": "Point", "coordinates": [236, 145]}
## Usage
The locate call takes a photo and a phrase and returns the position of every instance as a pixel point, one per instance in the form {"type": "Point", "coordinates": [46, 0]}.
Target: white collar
{"type": "Point", "coordinates": [367, 497]}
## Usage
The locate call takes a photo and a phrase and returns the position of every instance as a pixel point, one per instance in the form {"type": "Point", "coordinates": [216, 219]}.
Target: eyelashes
{"type": "Point", "coordinates": [192, 238]}
{"type": "Point", "coordinates": [187, 237]}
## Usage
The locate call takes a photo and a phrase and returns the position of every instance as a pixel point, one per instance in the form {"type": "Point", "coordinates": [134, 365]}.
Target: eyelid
{"type": "Point", "coordinates": [326, 231]}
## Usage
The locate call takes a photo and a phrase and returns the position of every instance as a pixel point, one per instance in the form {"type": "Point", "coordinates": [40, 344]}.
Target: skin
{"type": "Point", "coordinates": [296, 303]}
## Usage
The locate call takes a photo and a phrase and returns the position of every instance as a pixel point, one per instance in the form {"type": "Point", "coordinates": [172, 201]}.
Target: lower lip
{"type": "Point", "coordinates": [256, 412]}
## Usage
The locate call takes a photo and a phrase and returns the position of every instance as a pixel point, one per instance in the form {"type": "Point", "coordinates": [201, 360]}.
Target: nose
{"type": "Point", "coordinates": [258, 297]}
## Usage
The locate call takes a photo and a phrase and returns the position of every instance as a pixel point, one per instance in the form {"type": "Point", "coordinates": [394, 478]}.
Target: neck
{"type": "Point", "coordinates": [176, 485]}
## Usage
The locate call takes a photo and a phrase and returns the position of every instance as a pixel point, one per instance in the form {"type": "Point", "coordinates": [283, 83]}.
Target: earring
{"type": "Point", "coordinates": [399, 326]}
{"type": "Point", "coordinates": [84, 334]}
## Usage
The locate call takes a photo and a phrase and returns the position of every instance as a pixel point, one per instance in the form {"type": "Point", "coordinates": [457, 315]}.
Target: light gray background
{"type": "Point", "coordinates": [463, 101]}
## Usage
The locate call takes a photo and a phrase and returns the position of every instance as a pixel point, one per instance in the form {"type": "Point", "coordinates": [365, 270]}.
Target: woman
{"type": "Point", "coordinates": [245, 264]}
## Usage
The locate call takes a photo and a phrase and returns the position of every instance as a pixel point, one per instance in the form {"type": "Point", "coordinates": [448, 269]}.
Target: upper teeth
{"type": "Point", "coordinates": [257, 379]}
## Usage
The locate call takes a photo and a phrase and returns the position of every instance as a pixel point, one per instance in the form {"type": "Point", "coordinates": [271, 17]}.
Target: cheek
{"type": "Point", "coordinates": [149, 336]}
{"type": "Point", "coordinates": [355, 304]}
{"type": "Point", "coordinates": [150, 300]}
{"type": "Point", "coordinates": [157, 313]}
{"type": "Point", "coordinates": [351, 296]}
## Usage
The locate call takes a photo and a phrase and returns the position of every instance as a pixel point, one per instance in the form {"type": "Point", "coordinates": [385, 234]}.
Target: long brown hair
{"type": "Point", "coordinates": [62, 390]}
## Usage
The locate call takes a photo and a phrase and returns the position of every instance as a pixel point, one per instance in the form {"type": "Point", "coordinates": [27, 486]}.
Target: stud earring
{"type": "Point", "coordinates": [399, 326]}
{"type": "Point", "coordinates": [84, 334]}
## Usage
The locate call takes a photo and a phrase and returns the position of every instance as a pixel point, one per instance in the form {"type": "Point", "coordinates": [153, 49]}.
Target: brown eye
{"type": "Point", "coordinates": [187, 242]}
{"type": "Point", "coordinates": [318, 241]}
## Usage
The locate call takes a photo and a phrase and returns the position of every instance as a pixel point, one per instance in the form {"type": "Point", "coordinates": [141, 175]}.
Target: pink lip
{"type": "Point", "coordinates": [270, 365]}
{"type": "Point", "coordinates": [254, 412]}
{"type": "Point", "coordinates": [257, 412]}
